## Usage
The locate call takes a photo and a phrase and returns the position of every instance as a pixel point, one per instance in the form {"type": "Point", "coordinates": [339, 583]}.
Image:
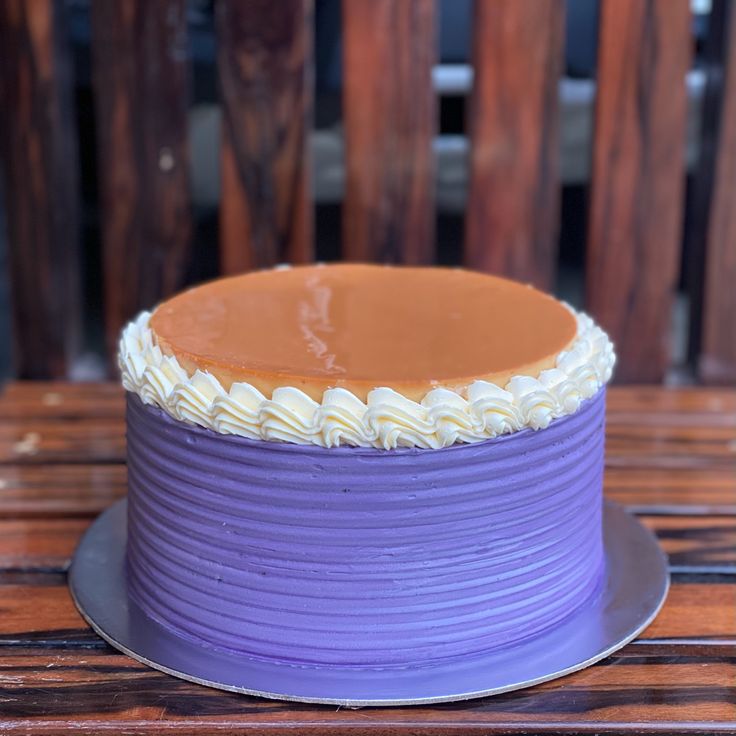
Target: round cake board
{"type": "Point", "coordinates": [634, 590]}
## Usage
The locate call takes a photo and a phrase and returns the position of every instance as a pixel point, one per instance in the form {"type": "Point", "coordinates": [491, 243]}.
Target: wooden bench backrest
{"type": "Point", "coordinates": [264, 58]}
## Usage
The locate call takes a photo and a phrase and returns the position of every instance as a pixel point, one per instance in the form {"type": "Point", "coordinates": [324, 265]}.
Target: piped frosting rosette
{"type": "Point", "coordinates": [387, 419]}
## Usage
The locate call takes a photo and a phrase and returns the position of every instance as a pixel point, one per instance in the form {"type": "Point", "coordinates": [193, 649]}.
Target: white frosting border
{"type": "Point", "coordinates": [388, 419]}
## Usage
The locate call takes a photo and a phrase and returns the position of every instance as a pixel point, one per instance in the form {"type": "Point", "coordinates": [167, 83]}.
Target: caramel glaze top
{"type": "Point", "coordinates": [361, 327]}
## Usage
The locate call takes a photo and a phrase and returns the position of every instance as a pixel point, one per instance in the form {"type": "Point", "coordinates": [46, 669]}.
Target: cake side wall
{"type": "Point", "coordinates": [363, 557]}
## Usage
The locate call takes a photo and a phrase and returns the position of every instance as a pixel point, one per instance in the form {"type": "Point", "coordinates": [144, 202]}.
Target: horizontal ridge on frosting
{"type": "Point", "coordinates": [358, 557]}
{"type": "Point", "coordinates": [387, 419]}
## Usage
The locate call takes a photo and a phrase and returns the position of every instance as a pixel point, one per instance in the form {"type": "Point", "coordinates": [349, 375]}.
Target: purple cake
{"type": "Point", "coordinates": [330, 508]}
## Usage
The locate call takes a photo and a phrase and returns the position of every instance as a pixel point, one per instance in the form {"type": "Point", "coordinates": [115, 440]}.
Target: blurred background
{"type": "Point", "coordinates": [586, 147]}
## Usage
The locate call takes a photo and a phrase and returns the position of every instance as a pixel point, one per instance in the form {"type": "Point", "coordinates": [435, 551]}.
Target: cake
{"type": "Point", "coordinates": [364, 466]}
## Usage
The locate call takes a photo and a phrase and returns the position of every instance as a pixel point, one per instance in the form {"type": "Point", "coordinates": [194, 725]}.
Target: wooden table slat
{"type": "Point", "coordinates": [672, 490]}
{"type": "Point", "coordinates": [83, 440]}
{"type": "Point", "coordinates": [52, 490]}
{"type": "Point", "coordinates": [661, 692]}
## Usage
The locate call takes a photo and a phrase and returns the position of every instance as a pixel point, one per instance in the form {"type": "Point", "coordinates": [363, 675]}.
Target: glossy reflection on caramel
{"type": "Point", "coordinates": [361, 327]}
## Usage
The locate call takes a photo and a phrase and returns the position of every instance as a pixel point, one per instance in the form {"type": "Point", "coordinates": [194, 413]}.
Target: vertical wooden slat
{"type": "Point", "coordinates": [513, 204]}
{"type": "Point", "coordinates": [700, 192]}
{"type": "Point", "coordinates": [718, 352]}
{"type": "Point", "coordinates": [40, 166]}
{"type": "Point", "coordinates": [265, 63]}
{"type": "Point", "coordinates": [141, 85]}
{"type": "Point", "coordinates": [638, 178]}
{"type": "Point", "coordinates": [389, 112]}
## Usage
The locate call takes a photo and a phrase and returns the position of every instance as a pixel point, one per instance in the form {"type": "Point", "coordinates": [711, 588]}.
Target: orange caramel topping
{"type": "Point", "coordinates": [360, 327]}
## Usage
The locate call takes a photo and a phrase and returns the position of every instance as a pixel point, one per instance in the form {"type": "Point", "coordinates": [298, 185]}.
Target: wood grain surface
{"type": "Point", "coordinates": [389, 113]}
{"type": "Point", "coordinates": [141, 87]}
{"type": "Point", "coordinates": [513, 205]}
{"type": "Point", "coordinates": [672, 459]}
{"type": "Point", "coordinates": [49, 490]}
{"type": "Point", "coordinates": [38, 147]}
{"type": "Point", "coordinates": [718, 346]}
{"type": "Point", "coordinates": [264, 59]}
{"type": "Point", "coordinates": [638, 179]}
{"type": "Point", "coordinates": [659, 692]}
{"type": "Point", "coordinates": [711, 57]}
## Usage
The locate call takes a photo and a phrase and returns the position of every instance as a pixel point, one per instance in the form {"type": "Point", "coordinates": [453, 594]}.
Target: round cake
{"type": "Point", "coordinates": [364, 466]}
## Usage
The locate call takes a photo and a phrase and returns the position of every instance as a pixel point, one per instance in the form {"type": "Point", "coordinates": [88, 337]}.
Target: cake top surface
{"type": "Point", "coordinates": [360, 327]}
{"type": "Point", "coordinates": [368, 356]}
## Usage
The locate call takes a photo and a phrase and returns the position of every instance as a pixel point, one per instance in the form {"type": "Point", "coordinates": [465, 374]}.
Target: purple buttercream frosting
{"type": "Point", "coordinates": [363, 557]}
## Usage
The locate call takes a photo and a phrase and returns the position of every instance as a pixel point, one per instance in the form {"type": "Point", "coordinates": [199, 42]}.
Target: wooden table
{"type": "Point", "coordinates": [671, 460]}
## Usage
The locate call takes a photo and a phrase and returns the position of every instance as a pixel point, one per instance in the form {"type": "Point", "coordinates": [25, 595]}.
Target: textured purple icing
{"type": "Point", "coordinates": [363, 557]}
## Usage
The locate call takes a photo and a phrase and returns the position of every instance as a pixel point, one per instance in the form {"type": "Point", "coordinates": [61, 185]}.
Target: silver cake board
{"type": "Point", "coordinates": [634, 590]}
